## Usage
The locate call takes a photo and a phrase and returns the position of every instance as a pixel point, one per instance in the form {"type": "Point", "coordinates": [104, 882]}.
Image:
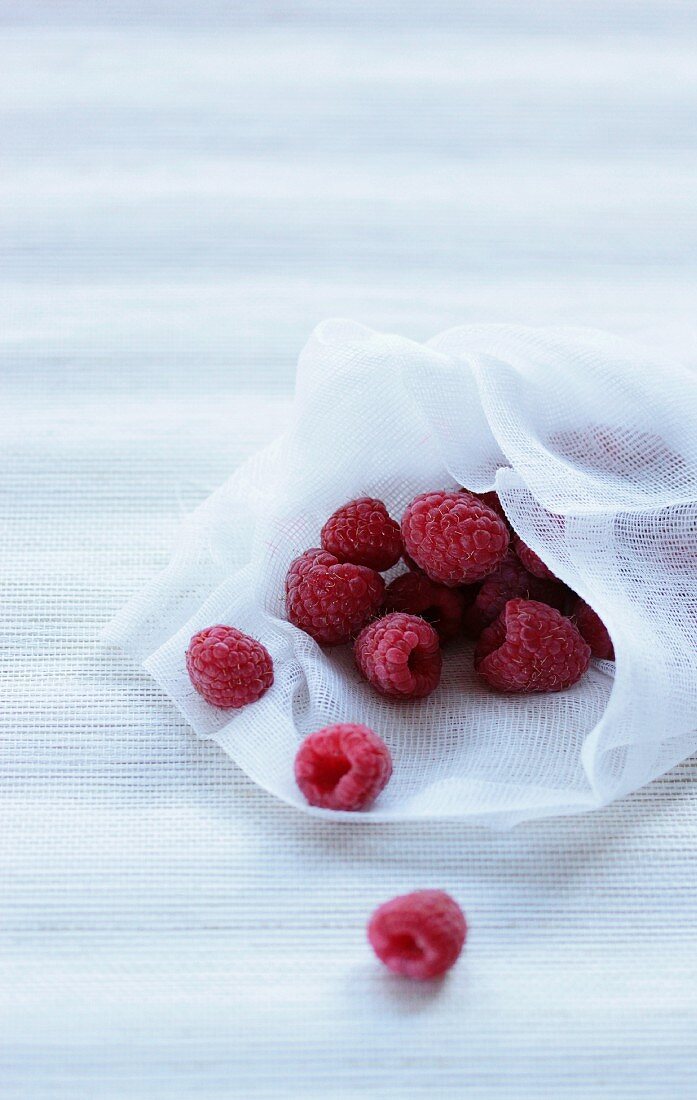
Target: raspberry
{"type": "Point", "coordinates": [228, 668]}
{"type": "Point", "coordinates": [492, 500]}
{"type": "Point", "coordinates": [331, 600]}
{"type": "Point", "coordinates": [531, 561]}
{"type": "Point", "coordinates": [454, 537]}
{"type": "Point", "coordinates": [363, 533]}
{"type": "Point", "coordinates": [593, 630]}
{"type": "Point", "coordinates": [309, 560]}
{"type": "Point", "coordinates": [418, 935]}
{"type": "Point", "coordinates": [509, 580]}
{"type": "Point", "coordinates": [342, 767]}
{"type": "Point", "coordinates": [400, 656]}
{"type": "Point", "coordinates": [531, 647]}
{"type": "Point", "coordinates": [442, 607]}
{"type": "Point", "coordinates": [411, 564]}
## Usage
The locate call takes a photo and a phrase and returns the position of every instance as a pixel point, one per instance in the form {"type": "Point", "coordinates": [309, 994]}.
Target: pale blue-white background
{"type": "Point", "coordinates": [186, 190]}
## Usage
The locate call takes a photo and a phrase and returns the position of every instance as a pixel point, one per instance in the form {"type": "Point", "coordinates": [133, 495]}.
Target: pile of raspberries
{"type": "Point", "coordinates": [468, 575]}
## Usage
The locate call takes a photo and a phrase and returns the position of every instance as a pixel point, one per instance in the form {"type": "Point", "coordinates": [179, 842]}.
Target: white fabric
{"type": "Point", "coordinates": [592, 446]}
{"type": "Point", "coordinates": [187, 190]}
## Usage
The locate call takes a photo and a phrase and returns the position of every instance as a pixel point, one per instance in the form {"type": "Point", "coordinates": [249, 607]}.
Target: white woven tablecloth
{"type": "Point", "coordinates": [187, 189]}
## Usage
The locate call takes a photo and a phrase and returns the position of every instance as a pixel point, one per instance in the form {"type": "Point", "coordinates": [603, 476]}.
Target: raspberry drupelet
{"type": "Point", "coordinates": [228, 668]}
{"type": "Point", "coordinates": [442, 607]}
{"type": "Point", "coordinates": [418, 935]}
{"type": "Point", "coordinates": [593, 630]}
{"type": "Point", "coordinates": [331, 600]}
{"type": "Point", "coordinates": [531, 648]}
{"type": "Point", "coordinates": [363, 533]}
{"type": "Point", "coordinates": [454, 536]}
{"type": "Point", "coordinates": [400, 656]}
{"type": "Point", "coordinates": [343, 767]}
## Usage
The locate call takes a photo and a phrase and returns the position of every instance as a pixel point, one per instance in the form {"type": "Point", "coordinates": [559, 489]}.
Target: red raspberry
{"type": "Point", "coordinates": [411, 564]}
{"type": "Point", "coordinates": [492, 499]}
{"type": "Point", "coordinates": [509, 579]}
{"type": "Point", "coordinates": [363, 533]}
{"type": "Point", "coordinates": [228, 668]}
{"type": "Point", "coordinates": [442, 607]}
{"type": "Point", "coordinates": [331, 600]}
{"type": "Point", "coordinates": [454, 537]}
{"type": "Point", "coordinates": [531, 561]}
{"type": "Point", "coordinates": [342, 767]}
{"type": "Point", "coordinates": [419, 935]}
{"type": "Point", "coordinates": [593, 630]}
{"type": "Point", "coordinates": [531, 647]}
{"type": "Point", "coordinates": [309, 560]}
{"type": "Point", "coordinates": [400, 656]}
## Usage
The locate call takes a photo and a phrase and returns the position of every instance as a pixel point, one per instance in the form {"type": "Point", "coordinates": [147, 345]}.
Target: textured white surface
{"type": "Point", "coordinates": [185, 193]}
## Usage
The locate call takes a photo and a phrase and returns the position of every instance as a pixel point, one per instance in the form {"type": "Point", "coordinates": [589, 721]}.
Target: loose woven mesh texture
{"type": "Point", "coordinates": [591, 445]}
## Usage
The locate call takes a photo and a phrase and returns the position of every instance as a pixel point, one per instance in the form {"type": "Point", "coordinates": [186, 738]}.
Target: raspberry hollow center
{"type": "Point", "coordinates": [432, 615]}
{"type": "Point", "coordinates": [419, 662]}
{"type": "Point", "coordinates": [404, 946]}
{"type": "Point", "coordinates": [329, 772]}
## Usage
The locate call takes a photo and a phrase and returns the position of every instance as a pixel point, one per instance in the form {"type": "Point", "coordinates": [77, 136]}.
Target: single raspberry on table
{"type": "Point", "coordinates": [331, 600]}
{"type": "Point", "coordinates": [593, 630]}
{"type": "Point", "coordinates": [418, 935]}
{"type": "Point", "coordinates": [454, 537]}
{"type": "Point", "coordinates": [400, 656]}
{"type": "Point", "coordinates": [509, 580]}
{"type": "Point", "coordinates": [532, 562]}
{"type": "Point", "coordinates": [442, 607]}
{"type": "Point", "coordinates": [363, 533]}
{"type": "Point", "coordinates": [342, 767]}
{"type": "Point", "coordinates": [531, 648]}
{"type": "Point", "coordinates": [228, 668]}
